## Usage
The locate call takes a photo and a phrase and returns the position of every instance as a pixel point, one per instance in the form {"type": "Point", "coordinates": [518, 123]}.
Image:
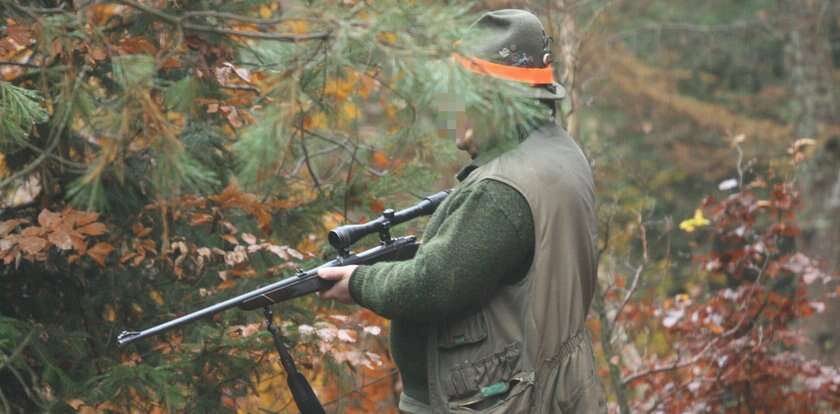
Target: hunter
{"type": "Point", "coordinates": [488, 317]}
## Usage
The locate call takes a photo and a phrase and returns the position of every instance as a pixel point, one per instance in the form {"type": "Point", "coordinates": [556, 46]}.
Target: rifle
{"type": "Point", "coordinates": [307, 281]}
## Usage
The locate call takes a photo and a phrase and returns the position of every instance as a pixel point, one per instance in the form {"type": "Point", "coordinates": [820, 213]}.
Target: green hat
{"type": "Point", "coordinates": [512, 45]}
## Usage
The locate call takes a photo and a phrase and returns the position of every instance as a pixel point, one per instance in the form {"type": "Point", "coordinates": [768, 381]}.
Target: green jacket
{"type": "Point", "coordinates": [523, 347]}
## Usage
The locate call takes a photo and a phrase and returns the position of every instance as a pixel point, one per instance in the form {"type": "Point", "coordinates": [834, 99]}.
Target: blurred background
{"type": "Point", "coordinates": [157, 156]}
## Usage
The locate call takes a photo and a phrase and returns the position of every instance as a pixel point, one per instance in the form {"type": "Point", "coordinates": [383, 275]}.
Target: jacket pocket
{"type": "Point", "coordinates": [512, 396]}
{"type": "Point", "coordinates": [463, 331]}
{"type": "Point", "coordinates": [479, 374]}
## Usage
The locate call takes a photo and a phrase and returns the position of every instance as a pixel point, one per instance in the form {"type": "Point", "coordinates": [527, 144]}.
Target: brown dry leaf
{"type": "Point", "coordinates": [110, 314]}
{"type": "Point", "coordinates": [83, 218]}
{"type": "Point", "coordinates": [78, 242]}
{"type": "Point", "coordinates": [156, 297]}
{"type": "Point", "coordinates": [7, 226]}
{"type": "Point", "coordinates": [33, 231]}
{"type": "Point", "coordinates": [227, 284]}
{"type": "Point", "coordinates": [249, 238]}
{"type": "Point", "coordinates": [61, 238]}
{"type": "Point", "coordinates": [198, 219]}
{"type": "Point", "coordinates": [32, 245]}
{"type": "Point", "coordinates": [48, 219]}
{"type": "Point", "coordinates": [137, 45]}
{"type": "Point", "coordinates": [97, 53]}
{"type": "Point", "coordinates": [99, 251]}
{"type": "Point", "coordinates": [93, 229]}
{"type": "Point", "coordinates": [139, 230]}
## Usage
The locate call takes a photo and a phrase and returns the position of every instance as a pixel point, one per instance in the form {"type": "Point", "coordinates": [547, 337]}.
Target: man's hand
{"type": "Point", "coordinates": [341, 290]}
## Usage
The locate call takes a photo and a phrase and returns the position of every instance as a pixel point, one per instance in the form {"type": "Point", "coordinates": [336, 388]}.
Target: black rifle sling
{"type": "Point", "coordinates": [305, 398]}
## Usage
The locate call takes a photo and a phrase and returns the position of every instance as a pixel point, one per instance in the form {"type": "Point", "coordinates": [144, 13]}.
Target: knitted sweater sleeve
{"type": "Point", "coordinates": [484, 241]}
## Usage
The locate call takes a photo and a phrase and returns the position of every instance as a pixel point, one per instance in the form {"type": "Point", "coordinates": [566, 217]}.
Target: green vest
{"type": "Point", "coordinates": [526, 350]}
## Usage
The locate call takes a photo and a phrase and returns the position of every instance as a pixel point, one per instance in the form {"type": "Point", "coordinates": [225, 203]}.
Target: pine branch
{"type": "Point", "coordinates": [55, 133]}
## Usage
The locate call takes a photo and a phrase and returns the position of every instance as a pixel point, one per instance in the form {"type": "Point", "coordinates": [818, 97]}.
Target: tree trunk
{"type": "Point", "coordinates": [810, 67]}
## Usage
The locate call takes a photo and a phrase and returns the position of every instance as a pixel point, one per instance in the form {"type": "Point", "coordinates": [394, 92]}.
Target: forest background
{"type": "Point", "coordinates": [157, 156]}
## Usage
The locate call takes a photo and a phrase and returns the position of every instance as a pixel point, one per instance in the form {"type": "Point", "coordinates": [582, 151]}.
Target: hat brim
{"type": "Point", "coordinates": [532, 91]}
{"type": "Point", "coordinates": [541, 92]}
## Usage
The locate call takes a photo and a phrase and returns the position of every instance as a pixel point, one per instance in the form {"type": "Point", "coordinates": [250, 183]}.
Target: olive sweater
{"type": "Point", "coordinates": [485, 240]}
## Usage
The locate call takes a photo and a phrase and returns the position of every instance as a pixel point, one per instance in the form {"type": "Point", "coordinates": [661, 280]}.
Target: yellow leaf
{"type": "Point", "coordinates": [298, 26]}
{"type": "Point", "coordinates": [156, 296]}
{"type": "Point", "coordinates": [265, 11]}
{"type": "Point", "coordinates": [389, 38]}
{"type": "Point", "coordinates": [349, 111]}
{"type": "Point", "coordinates": [4, 170]}
{"type": "Point", "coordinates": [697, 221]}
{"type": "Point", "coordinates": [315, 121]}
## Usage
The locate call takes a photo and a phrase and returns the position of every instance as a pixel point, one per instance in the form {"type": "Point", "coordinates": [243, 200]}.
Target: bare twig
{"type": "Point", "coordinates": [231, 16]}
{"type": "Point", "coordinates": [627, 296]}
{"type": "Point", "coordinates": [306, 156]}
{"type": "Point", "coordinates": [21, 64]}
{"type": "Point", "coordinates": [677, 364]}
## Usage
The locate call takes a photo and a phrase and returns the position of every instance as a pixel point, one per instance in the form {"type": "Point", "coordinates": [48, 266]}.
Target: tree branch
{"type": "Point", "coordinates": [179, 23]}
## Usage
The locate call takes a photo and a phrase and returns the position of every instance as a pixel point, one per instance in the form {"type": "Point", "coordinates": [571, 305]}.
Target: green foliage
{"type": "Point", "coordinates": [22, 109]}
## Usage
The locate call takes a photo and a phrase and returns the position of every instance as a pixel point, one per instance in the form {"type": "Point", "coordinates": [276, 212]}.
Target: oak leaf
{"type": "Point", "coordinates": [48, 219]}
{"type": "Point", "coordinates": [7, 226]}
{"type": "Point", "coordinates": [32, 245]}
{"type": "Point", "coordinates": [61, 238]}
{"type": "Point", "coordinates": [93, 229]}
{"type": "Point", "coordinates": [99, 252]}
{"type": "Point", "coordinates": [33, 231]}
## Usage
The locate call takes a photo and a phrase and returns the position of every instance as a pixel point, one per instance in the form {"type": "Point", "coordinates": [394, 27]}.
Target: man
{"type": "Point", "coordinates": [489, 315]}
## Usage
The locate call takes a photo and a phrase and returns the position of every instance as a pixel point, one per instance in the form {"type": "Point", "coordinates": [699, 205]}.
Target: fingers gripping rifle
{"type": "Point", "coordinates": [307, 281]}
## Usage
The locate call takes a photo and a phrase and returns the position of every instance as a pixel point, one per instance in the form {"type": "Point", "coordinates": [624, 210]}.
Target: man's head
{"type": "Point", "coordinates": [509, 53]}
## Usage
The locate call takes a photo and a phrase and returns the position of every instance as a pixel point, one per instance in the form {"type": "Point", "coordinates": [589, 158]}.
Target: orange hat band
{"type": "Point", "coordinates": [534, 76]}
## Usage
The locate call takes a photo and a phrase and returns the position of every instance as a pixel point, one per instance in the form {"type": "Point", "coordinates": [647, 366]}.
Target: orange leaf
{"type": "Point", "coordinates": [380, 160]}
{"type": "Point", "coordinates": [32, 245]}
{"type": "Point", "coordinates": [377, 205]}
{"type": "Point", "coordinates": [93, 229]}
{"type": "Point", "coordinates": [99, 251]}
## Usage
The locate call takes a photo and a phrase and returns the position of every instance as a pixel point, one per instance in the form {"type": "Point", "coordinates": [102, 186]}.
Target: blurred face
{"type": "Point", "coordinates": [459, 124]}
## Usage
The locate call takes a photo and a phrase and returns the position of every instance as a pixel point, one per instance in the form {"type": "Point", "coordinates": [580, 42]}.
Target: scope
{"type": "Point", "coordinates": [342, 237]}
